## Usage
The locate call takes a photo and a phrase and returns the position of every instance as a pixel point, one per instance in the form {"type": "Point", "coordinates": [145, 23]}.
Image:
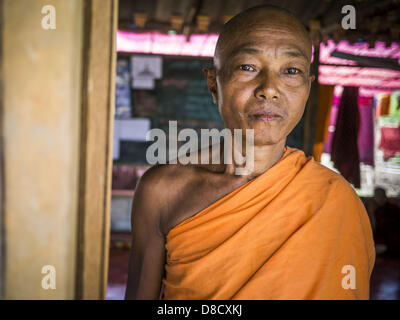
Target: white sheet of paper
{"type": "Point", "coordinates": [139, 83]}
{"type": "Point", "coordinates": [129, 129]}
{"type": "Point", "coordinates": [144, 67]}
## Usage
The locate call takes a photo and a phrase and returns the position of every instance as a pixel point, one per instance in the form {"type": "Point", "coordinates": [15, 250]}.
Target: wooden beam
{"type": "Point", "coordinates": [2, 177]}
{"type": "Point", "coordinates": [97, 119]}
{"type": "Point", "coordinates": [312, 107]}
{"type": "Point", "coordinates": [372, 62]}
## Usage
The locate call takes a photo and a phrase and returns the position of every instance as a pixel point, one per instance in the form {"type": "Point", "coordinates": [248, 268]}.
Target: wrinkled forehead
{"type": "Point", "coordinates": [273, 36]}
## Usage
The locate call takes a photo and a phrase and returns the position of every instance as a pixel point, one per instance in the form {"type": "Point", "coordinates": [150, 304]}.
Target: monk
{"type": "Point", "coordinates": [289, 229]}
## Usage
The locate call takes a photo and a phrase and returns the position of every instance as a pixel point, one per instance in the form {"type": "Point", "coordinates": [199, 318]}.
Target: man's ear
{"type": "Point", "coordinates": [211, 77]}
{"type": "Point", "coordinates": [312, 78]}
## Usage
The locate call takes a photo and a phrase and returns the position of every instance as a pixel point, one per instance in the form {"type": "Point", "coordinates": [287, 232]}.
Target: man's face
{"type": "Point", "coordinates": [263, 82]}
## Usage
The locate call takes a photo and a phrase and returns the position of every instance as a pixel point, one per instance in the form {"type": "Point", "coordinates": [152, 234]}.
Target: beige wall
{"type": "Point", "coordinates": [47, 135]}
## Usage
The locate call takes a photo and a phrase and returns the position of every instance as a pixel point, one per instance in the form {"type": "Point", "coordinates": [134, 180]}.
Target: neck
{"type": "Point", "coordinates": [265, 157]}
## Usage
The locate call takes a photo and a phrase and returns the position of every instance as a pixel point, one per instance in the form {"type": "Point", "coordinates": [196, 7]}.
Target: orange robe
{"type": "Point", "coordinates": [287, 234]}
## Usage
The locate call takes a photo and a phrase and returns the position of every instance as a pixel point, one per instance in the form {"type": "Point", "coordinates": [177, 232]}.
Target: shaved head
{"type": "Point", "coordinates": [261, 76]}
{"type": "Point", "coordinates": [267, 17]}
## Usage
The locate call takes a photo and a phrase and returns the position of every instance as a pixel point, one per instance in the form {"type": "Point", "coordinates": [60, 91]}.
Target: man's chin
{"type": "Point", "coordinates": [265, 141]}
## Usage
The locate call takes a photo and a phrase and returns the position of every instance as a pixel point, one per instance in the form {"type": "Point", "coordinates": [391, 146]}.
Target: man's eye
{"type": "Point", "coordinates": [246, 67]}
{"type": "Point", "coordinates": [293, 71]}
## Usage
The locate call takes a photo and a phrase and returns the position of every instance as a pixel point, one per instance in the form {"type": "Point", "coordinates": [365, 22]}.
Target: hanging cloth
{"type": "Point", "coordinates": [344, 152]}
{"type": "Point", "coordinates": [382, 104]}
{"type": "Point", "coordinates": [390, 141]}
{"type": "Point", "coordinates": [366, 131]}
{"type": "Point", "coordinates": [394, 104]}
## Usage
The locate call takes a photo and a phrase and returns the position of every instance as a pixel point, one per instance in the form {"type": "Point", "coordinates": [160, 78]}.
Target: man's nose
{"type": "Point", "coordinates": [267, 88]}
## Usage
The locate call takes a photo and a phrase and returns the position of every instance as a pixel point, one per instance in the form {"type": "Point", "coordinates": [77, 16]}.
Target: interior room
{"type": "Point", "coordinates": [178, 39]}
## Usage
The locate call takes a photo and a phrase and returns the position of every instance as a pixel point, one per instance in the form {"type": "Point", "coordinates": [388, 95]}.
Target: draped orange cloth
{"type": "Point", "coordinates": [287, 234]}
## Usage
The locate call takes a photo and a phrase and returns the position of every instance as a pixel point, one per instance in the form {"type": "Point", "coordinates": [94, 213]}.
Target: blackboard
{"type": "Point", "coordinates": [133, 151]}
{"type": "Point", "coordinates": [182, 93]}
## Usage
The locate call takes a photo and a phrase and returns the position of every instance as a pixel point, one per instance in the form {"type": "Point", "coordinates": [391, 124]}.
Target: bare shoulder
{"type": "Point", "coordinates": [162, 188]}
{"type": "Point", "coordinates": [167, 177]}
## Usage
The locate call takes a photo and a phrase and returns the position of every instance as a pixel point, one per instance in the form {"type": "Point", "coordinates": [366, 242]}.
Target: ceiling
{"type": "Point", "coordinates": [384, 15]}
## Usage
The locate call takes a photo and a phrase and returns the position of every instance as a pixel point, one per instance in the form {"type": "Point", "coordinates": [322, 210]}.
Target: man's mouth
{"type": "Point", "coordinates": [267, 116]}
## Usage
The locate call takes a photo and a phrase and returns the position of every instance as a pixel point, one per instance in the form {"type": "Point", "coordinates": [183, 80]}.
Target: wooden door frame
{"type": "Point", "coordinates": [97, 119]}
{"type": "Point", "coordinates": [2, 180]}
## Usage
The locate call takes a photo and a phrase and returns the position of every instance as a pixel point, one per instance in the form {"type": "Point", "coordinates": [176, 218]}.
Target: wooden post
{"type": "Point", "coordinates": [97, 119]}
{"type": "Point", "coordinates": [310, 122]}
{"type": "Point", "coordinates": [2, 178]}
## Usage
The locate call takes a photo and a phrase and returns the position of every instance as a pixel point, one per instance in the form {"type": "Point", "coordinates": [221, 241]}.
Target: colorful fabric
{"type": "Point", "coordinates": [394, 103]}
{"type": "Point", "coordinates": [390, 141]}
{"type": "Point", "coordinates": [365, 140]}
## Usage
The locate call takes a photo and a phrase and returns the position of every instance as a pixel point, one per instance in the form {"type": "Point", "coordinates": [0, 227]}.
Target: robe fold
{"type": "Point", "coordinates": [290, 233]}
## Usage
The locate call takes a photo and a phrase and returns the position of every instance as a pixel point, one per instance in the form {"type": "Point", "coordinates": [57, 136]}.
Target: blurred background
{"type": "Point", "coordinates": [77, 103]}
